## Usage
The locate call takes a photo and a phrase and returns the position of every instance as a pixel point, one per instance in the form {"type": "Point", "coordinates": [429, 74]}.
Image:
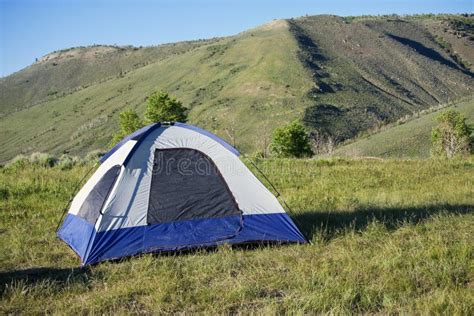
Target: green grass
{"type": "Point", "coordinates": [408, 140]}
{"type": "Point", "coordinates": [388, 236]}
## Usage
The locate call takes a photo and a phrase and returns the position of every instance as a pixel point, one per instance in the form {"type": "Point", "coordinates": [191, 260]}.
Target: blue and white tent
{"type": "Point", "coordinates": [170, 187]}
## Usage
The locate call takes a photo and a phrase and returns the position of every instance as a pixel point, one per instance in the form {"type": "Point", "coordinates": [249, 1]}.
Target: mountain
{"type": "Point", "coordinates": [368, 72]}
{"type": "Point", "coordinates": [339, 75]}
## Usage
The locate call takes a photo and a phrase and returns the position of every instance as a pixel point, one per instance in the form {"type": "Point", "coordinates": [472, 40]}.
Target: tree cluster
{"type": "Point", "coordinates": [161, 107]}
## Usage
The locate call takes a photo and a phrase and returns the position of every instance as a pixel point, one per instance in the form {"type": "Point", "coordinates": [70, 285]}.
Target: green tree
{"type": "Point", "coordinates": [129, 122]}
{"type": "Point", "coordinates": [291, 141]}
{"type": "Point", "coordinates": [163, 108]}
{"type": "Point", "coordinates": [451, 137]}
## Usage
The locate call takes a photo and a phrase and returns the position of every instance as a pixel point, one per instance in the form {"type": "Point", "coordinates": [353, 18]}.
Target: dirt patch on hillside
{"type": "Point", "coordinates": [275, 24]}
{"type": "Point", "coordinates": [262, 88]}
{"type": "Point", "coordinates": [79, 52]}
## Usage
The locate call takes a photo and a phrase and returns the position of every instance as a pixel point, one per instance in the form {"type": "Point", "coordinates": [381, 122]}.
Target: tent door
{"type": "Point", "coordinates": [190, 199]}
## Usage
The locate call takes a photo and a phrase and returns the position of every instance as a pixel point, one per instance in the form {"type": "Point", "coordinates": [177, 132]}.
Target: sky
{"type": "Point", "coordinates": [30, 29]}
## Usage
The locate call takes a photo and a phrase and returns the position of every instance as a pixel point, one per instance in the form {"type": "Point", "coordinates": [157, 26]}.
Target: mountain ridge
{"type": "Point", "coordinates": [339, 75]}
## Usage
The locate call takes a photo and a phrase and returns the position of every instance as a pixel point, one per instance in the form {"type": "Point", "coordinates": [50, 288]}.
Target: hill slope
{"type": "Point", "coordinates": [236, 82]}
{"type": "Point", "coordinates": [409, 140]}
{"type": "Point", "coordinates": [63, 72]}
{"type": "Point", "coordinates": [341, 75]}
{"type": "Point", "coordinates": [372, 71]}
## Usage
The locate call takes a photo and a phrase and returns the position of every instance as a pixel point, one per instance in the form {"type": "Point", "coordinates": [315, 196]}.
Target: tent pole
{"type": "Point", "coordinates": [297, 222]}
{"type": "Point", "coordinates": [72, 196]}
{"type": "Point", "coordinates": [261, 172]}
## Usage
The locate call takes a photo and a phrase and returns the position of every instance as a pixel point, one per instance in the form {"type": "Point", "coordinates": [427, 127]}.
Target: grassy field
{"type": "Point", "coordinates": [387, 236]}
{"type": "Point", "coordinates": [408, 140]}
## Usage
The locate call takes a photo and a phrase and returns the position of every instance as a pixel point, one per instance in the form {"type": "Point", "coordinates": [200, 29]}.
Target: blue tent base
{"type": "Point", "coordinates": [169, 237]}
{"type": "Point", "coordinates": [206, 249]}
{"type": "Point", "coordinates": [76, 232]}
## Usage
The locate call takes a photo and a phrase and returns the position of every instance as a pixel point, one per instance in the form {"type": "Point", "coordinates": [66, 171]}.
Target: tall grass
{"type": "Point", "coordinates": [387, 236]}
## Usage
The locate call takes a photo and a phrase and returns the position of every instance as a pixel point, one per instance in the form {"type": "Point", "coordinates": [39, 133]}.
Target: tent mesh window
{"type": "Point", "coordinates": [94, 202]}
{"type": "Point", "coordinates": [186, 185]}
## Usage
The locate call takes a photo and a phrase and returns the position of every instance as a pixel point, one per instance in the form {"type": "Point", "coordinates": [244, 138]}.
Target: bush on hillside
{"type": "Point", "coordinates": [67, 162]}
{"type": "Point", "coordinates": [291, 141]}
{"type": "Point", "coordinates": [43, 159]}
{"type": "Point", "coordinates": [18, 162]}
{"type": "Point", "coordinates": [36, 159]}
{"type": "Point", "coordinates": [129, 122]}
{"type": "Point", "coordinates": [451, 137]}
{"type": "Point", "coordinates": [161, 107]}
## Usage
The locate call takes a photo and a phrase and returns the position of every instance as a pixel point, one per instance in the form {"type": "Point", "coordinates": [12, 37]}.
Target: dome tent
{"type": "Point", "coordinates": [170, 187]}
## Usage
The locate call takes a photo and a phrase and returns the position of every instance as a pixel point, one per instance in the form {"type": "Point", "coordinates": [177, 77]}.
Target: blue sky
{"type": "Point", "coordinates": [30, 29]}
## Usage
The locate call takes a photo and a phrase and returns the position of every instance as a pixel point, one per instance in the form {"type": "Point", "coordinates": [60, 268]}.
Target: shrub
{"type": "Point", "coordinates": [66, 162]}
{"type": "Point", "coordinates": [19, 162]}
{"type": "Point", "coordinates": [291, 141]}
{"type": "Point", "coordinates": [163, 108]}
{"type": "Point", "coordinates": [451, 137]}
{"type": "Point", "coordinates": [43, 159]}
{"type": "Point", "coordinates": [129, 122]}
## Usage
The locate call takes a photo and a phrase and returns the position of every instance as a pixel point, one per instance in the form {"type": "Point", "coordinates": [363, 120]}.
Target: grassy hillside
{"type": "Point", "coordinates": [341, 75]}
{"type": "Point", "coordinates": [63, 72]}
{"type": "Point", "coordinates": [388, 237]}
{"type": "Point", "coordinates": [242, 83]}
{"type": "Point", "coordinates": [409, 140]}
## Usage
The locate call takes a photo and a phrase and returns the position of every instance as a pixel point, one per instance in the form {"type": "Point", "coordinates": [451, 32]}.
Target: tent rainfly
{"type": "Point", "coordinates": [170, 187]}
